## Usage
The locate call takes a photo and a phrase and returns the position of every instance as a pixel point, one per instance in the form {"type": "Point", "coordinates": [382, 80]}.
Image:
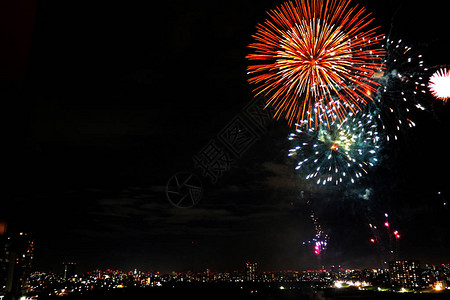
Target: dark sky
{"type": "Point", "coordinates": [104, 102]}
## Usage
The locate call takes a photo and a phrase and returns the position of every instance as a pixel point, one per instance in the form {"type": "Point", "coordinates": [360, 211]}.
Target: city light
{"type": "Point", "coordinates": [438, 286]}
{"type": "Point", "coordinates": [402, 276]}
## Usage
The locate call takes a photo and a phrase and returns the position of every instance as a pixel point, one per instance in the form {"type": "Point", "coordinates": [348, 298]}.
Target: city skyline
{"type": "Point", "coordinates": [19, 281]}
{"type": "Point", "coordinates": [107, 103]}
{"type": "Point", "coordinates": [242, 271]}
{"type": "Point", "coordinates": [397, 278]}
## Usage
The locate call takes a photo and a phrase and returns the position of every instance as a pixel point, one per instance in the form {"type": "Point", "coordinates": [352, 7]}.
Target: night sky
{"type": "Point", "coordinates": [104, 102]}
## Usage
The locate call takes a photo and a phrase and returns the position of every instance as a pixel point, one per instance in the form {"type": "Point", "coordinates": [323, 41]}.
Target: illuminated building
{"type": "Point", "coordinates": [250, 271]}
{"type": "Point", "coordinates": [3, 258]}
{"type": "Point", "coordinates": [16, 256]}
{"type": "Point", "coordinates": [69, 269]}
{"type": "Point", "coordinates": [445, 270]}
{"type": "Point", "coordinates": [404, 273]}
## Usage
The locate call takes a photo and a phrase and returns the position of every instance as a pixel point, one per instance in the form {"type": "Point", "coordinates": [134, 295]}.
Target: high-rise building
{"type": "Point", "coordinates": [250, 271]}
{"type": "Point", "coordinates": [16, 256]}
{"type": "Point", "coordinates": [404, 273]}
{"type": "Point", "coordinates": [69, 269]}
{"type": "Point", "coordinates": [3, 258]}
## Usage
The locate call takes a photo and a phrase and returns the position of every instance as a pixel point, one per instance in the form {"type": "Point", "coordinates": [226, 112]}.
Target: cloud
{"type": "Point", "coordinates": [224, 212]}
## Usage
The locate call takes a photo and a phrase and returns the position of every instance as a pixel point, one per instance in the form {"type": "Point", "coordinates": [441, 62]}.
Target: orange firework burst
{"type": "Point", "coordinates": [313, 56]}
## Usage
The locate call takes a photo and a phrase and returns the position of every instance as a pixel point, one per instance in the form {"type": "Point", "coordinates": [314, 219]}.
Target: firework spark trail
{"type": "Point", "coordinates": [312, 57]}
{"type": "Point", "coordinates": [320, 239]}
{"type": "Point", "coordinates": [388, 243]}
{"type": "Point", "coordinates": [401, 91]}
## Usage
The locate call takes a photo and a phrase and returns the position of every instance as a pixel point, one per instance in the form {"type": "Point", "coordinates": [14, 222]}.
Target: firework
{"type": "Point", "coordinates": [335, 152]}
{"type": "Point", "coordinates": [401, 91]}
{"type": "Point", "coordinates": [320, 239]}
{"type": "Point", "coordinates": [311, 57]}
{"type": "Point", "coordinates": [439, 85]}
{"type": "Point", "coordinates": [388, 242]}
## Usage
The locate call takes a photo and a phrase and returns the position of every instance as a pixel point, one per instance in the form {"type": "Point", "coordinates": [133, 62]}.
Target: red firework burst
{"type": "Point", "coordinates": [313, 56]}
